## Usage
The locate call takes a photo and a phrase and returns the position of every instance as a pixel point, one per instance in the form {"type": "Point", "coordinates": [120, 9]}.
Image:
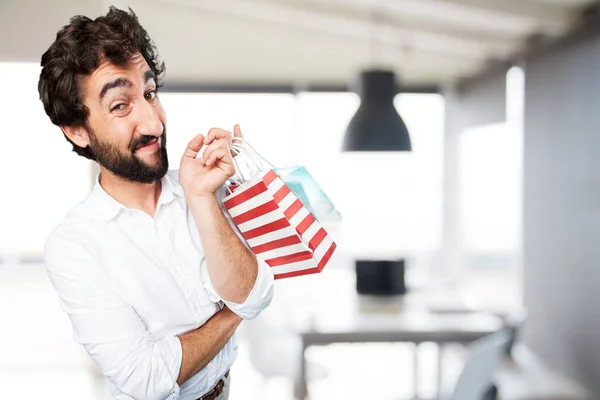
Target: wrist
{"type": "Point", "coordinates": [233, 317]}
{"type": "Point", "coordinates": [204, 209]}
{"type": "Point", "coordinates": [201, 200]}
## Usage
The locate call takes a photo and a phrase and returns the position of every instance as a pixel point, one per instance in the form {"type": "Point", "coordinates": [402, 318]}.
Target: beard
{"type": "Point", "coordinates": [128, 165]}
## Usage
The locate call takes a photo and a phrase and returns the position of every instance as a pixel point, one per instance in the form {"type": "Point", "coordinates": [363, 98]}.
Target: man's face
{"type": "Point", "coordinates": [126, 125]}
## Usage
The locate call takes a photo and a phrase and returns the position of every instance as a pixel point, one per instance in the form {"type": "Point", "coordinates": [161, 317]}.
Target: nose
{"type": "Point", "coordinates": [148, 121]}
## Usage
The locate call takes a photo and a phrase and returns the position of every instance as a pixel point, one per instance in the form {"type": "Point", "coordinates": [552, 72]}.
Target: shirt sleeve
{"type": "Point", "coordinates": [259, 298]}
{"type": "Point", "coordinates": [262, 292]}
{"type": "Point", "coordinates": [110, 330]}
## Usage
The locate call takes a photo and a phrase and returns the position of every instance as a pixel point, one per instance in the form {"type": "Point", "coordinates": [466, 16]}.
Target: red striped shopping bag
{"type": "Point", "coordinates": [278, 227]}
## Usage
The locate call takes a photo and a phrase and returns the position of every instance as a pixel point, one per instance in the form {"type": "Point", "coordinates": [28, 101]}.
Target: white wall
{"type": "Point", "coordinates": [28, 27]}
{"type": "Point", "coordinates": [562, 209]}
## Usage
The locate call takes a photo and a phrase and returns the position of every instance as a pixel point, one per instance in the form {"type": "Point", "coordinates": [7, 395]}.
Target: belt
{"type": "Point", "coordinates": [216, 391]}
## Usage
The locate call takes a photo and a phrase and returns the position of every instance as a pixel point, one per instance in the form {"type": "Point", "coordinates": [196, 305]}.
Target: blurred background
{"type": "Point", "coordinates": [467, 265]}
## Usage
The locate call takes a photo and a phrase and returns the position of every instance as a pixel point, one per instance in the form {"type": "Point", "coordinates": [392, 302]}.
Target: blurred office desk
{"type": "Point", "coordinates": [327, 310]}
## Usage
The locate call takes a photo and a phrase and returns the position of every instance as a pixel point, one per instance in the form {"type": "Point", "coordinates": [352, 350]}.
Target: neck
{"type": "Point", "coordinates": [141, 196]}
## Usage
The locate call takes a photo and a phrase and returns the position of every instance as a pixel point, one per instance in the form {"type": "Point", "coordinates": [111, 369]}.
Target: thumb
{"type": "Point", "coordinates": [194, 147]}
{"type": "Point", "coordinates": [237, 132]}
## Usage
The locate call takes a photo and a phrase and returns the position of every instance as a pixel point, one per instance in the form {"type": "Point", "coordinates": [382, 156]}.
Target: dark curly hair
{"type": "Point", "coordinates": [77, 51]}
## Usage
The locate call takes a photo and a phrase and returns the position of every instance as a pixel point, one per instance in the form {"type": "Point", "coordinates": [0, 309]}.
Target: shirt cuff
{"type": "Point", "coordinates": [173, 355]}
{"type": "Point", "coordinates": [259, 298]}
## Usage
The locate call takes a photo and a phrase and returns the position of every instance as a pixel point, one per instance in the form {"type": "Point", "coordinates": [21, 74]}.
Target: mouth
{"type": "Point", "coordinates": [151, 145]}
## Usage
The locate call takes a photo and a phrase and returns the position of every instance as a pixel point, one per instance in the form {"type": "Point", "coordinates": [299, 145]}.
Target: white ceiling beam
{"type": "Point", "coordinates": [547, 14]}
{"type": "Point", "coordinates": [393, 15]}
{"type": "Point", "coordinates": [330, 24]}
{"type": "Point", "coordinates": [221, 48]}
{"type": "Point", "coordinates": [551, 13]}
{"type": "Point", "coordinates": [498, 17]}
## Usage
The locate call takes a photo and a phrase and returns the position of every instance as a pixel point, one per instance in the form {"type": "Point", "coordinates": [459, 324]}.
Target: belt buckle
{"type": "Point", "coordinates": [219, 386]}
{"type": "Point", "coordinates": [216, 391]}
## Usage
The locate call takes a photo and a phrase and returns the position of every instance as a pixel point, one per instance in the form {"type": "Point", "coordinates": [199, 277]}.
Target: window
{"type": "Point", "coordinates": [490, 181]}
{"type": "Point", "coordinates": [41, 177]}
{"type": "Point", "coordinates": [490, 171]}
{"type": "Point", "coordinates": [267, 119]}
{"type": "Point", "coordinates": [401, 208]}
{"type": "Point", "coordinates": [397, 198]}
{"type": "Point", "coordinates": [490, 174]}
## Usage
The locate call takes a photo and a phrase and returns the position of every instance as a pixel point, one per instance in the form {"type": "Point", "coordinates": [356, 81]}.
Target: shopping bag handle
{"type": "Point", "coordinates": [240, 144]}
{"type": "Point", "coordinates": [249, 157]}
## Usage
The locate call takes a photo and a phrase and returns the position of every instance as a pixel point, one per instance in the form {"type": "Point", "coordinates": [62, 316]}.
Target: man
{"type": "Point", "coordinates": [153, 277]}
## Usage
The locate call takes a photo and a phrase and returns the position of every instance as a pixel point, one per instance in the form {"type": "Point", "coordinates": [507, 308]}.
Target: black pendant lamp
{"type": "Point", "coordinates": [377, 126]}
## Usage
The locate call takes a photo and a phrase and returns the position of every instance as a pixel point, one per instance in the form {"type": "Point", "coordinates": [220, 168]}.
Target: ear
{"type": "Point", "coordinates": [77, 134]}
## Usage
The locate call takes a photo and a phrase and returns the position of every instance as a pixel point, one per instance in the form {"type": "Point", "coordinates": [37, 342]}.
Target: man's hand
{"type": "Point", "coordinates": [203, 176]}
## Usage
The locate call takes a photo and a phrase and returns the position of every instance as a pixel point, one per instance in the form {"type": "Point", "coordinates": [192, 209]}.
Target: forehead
{"type": "Point", "coordinates": [107, 72]}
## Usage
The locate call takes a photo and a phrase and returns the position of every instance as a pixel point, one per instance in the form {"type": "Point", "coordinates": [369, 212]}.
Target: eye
{"type": "Point", "coordinates": [118, 107]}
{"type": "Point", "coordinates": [151, 95]}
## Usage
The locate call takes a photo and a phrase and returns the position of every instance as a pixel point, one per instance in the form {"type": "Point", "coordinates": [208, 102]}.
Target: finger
{"type": "Point", "coordinates": [218, 154]}
{"type": "Point", "coordinates": [218, 144]}
{"type": "Point", "coordinates": [237, 132]}
{"type": "Point", "coordinates": [194, 147]}
{"type": "Point", "coordinates": [217, 133]}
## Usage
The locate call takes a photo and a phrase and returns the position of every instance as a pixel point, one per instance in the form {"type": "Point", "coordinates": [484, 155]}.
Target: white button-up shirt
{"type": "Point", "coordinates": [130, 284]}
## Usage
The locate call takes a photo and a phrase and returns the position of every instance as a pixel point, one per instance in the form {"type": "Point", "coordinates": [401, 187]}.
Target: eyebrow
{"type": "Point", "coordinates": [120, 82]}
{"type": "Point", "coordinates": [123, 82]}
{"type": "Point", "coordinates": [148, 75]}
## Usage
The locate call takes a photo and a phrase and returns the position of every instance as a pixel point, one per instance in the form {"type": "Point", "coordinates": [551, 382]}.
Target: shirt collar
{"type": "Point", "coordinates": [170, 188]}
{"type": "Point", "coordinates": [107, 208]}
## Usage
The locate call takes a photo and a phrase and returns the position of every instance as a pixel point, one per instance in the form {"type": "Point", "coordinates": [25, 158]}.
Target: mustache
{"type": "Point", "coordinates": [145, 139]}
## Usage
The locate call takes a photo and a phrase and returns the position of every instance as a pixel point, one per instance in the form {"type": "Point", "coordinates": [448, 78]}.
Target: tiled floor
{"type": "Point", "coordinates": [38, 359]}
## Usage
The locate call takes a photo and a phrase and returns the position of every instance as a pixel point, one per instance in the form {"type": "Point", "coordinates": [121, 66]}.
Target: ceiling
{"type": "Point", "coordinates": [309, 42]}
